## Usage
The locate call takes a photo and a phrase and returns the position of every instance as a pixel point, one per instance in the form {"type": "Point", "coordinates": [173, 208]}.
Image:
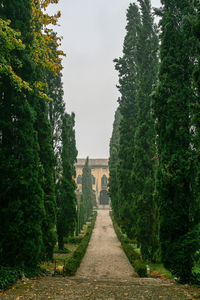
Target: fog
{"type": "Point", "coordinates": [93, 33]}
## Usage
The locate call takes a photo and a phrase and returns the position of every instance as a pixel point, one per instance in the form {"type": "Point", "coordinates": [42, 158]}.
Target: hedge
{"type": "Point", "coordinates": [9, 275]}
{"type": "Point", "coordinates": [74, 261]}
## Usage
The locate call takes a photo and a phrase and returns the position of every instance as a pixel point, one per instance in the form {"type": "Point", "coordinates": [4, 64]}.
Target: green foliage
{"type": "Point", "coordinates": [63, 251]}
{"type": "Point", "coordinates": [10, 43]}
{"type": "Point", "coordinates": [46, 156]}
{"type": "Point", "coordinates": [113, 165]}
{"type": "Point", "coordinates": [132, 145]}
{"type": "Point", "coordinates": [22, 208]}
{"type": "Point", "coordinates": [73, 239]}
{"type": "Point", "coordinates": [154, 162]}
{"type": "Point", "coordinates": [126, 66]}
{"type": "Point", "coordinates": [66, 200]}
{"type": "Point", "coordinates": [8, 276]}
{"type": "Point", "coordinates": [140, 268]}
{"type": "Point", "coordinates": [159, 270]}
{"type": "Point", "coordinates": [32, 162]}
{"type": "Point", "coordinates": [74, 262]}
{"type": "Point", "coordinates": [175, 191]}
{"type": "Point", "coordinates": [196, 30]}
{"type": "Point", "coordinates": [144, 139]}
{"type": "Point", "coordinates": [87, 192]}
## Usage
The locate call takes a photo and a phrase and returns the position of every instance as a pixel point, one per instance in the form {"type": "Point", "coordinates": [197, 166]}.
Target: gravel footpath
{"type": "Point", "coordinates": [104, 274]}
{"type": "Point", "coordinates": [104, 257]}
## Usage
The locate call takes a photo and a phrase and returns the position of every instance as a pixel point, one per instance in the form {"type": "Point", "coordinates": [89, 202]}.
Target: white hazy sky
{"type": "Point", "coordinates": [93, 32]}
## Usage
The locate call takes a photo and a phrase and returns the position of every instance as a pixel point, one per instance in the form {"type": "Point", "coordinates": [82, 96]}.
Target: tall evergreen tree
{"type": "Point", "coordinates": [46, 155]}
{"type": "Point", "coordinates": [66, 199]}
{"type": "Point", "coordinates": [127, 68]}
{"type": "Point", "coordinates": [144, 139]}
{"type": "Point", "coordinates": [20, 78]}
{"type": "Point", "coordinates": [171, 105]}
{"type": "Point", "coordinates": [196, 110]}
{"type": "Point", "coordinates": [22, 207]}
{"type": "Point", "coordinates": [56, 112]}
{"type": "Point", "coordinates": [113, 164]}
{"type": "Point", "coordinates": [87, 192]}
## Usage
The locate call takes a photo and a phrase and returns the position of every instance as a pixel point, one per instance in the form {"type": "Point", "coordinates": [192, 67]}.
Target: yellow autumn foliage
{"type": "Point", "coordinates": [45, 50]}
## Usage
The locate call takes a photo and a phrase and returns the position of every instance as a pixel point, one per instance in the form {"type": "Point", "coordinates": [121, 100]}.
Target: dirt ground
{"type": "Point", "coordinates": [105, 273]}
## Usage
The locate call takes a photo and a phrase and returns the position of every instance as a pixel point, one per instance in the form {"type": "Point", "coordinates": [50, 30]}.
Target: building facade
{"type": "Point", "coordinates": [100, 178]}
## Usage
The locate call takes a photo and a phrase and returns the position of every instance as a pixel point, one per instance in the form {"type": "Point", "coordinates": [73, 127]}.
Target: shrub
{"type": "Point", "coordinates": [74, 261]}
{"type": "Point", "coordinates": [8, 276]}
{"type": "Point", "coordinates": [73, 239]}
{"type": "Point", "coordinates": [65, 250]}
{"type": "Point", "coordinates": [140, 268]}
{"type": "Point", "coordinates": [131, 253]}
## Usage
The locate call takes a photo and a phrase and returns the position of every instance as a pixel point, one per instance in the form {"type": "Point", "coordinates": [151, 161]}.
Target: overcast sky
{"type": "Point", "coordinates": [93, 32]}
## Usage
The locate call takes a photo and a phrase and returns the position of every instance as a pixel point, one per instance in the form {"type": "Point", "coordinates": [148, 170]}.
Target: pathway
{"type": "Point", "coordinates": [104, 274]}
{"type": "Point", "coordinates": [104, 257]}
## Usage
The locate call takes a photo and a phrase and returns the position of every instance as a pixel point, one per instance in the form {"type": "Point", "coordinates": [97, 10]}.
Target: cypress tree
{"type": "Point", "coordinates": [127, 68]}
{"type": "Point", "coordinates": [46, 156]}
{"type": "Point", "coordinates": [87, 192]}
{"type": "Point", "coordinates": [196, 109]}
{"type": "Point", "coordinates": [66, 199]}
{"type": "Point", "coordinates": [144, 139]}
{"type": "Point", "coordinates": [56, 111]}
{"type": "Point", "coordinates": [27, 17]}
{"type": "Point", "coordinates": [171, 105]}
{"type": "Point", "coordinates": [22, 207]}
{"type": "Point", "coordinates": [113, 163]}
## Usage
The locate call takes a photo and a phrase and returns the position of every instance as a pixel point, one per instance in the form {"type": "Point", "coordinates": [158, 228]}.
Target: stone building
{"type": "Point", "coordinates": [100, 177]}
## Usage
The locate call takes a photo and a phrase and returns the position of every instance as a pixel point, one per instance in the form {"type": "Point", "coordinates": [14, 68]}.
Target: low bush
{"type": "Point", "coordinates": [140, 268]}
{"type": "Point", "coordinates": [131, 253]}
{"type": "Point", "coordinates": [74, 261]}
{"type": "Point", "coordinates": [64, 251]}
{"type": "Point", "coordinates": [134, 257]}
{"type": "Point", "coordinates": [73, 240]}
{"type": "Point", "coordinates": [159, 271]}
{"type": "Point", "coordinates": [8, 276]}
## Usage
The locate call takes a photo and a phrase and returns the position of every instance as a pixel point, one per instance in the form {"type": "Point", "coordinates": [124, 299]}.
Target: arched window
{"type": "Point", "coordinates": [104, 181]}
{"type": "Point", "coordinates": [79, 179]}
{"type": "Point", "coordinates": [93, 179]}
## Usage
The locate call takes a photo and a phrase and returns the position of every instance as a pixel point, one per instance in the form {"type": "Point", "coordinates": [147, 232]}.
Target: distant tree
{"type": "Point", "coordinates": [87, 192]}
{"type": "Point", "coordinates": [81, 214]}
